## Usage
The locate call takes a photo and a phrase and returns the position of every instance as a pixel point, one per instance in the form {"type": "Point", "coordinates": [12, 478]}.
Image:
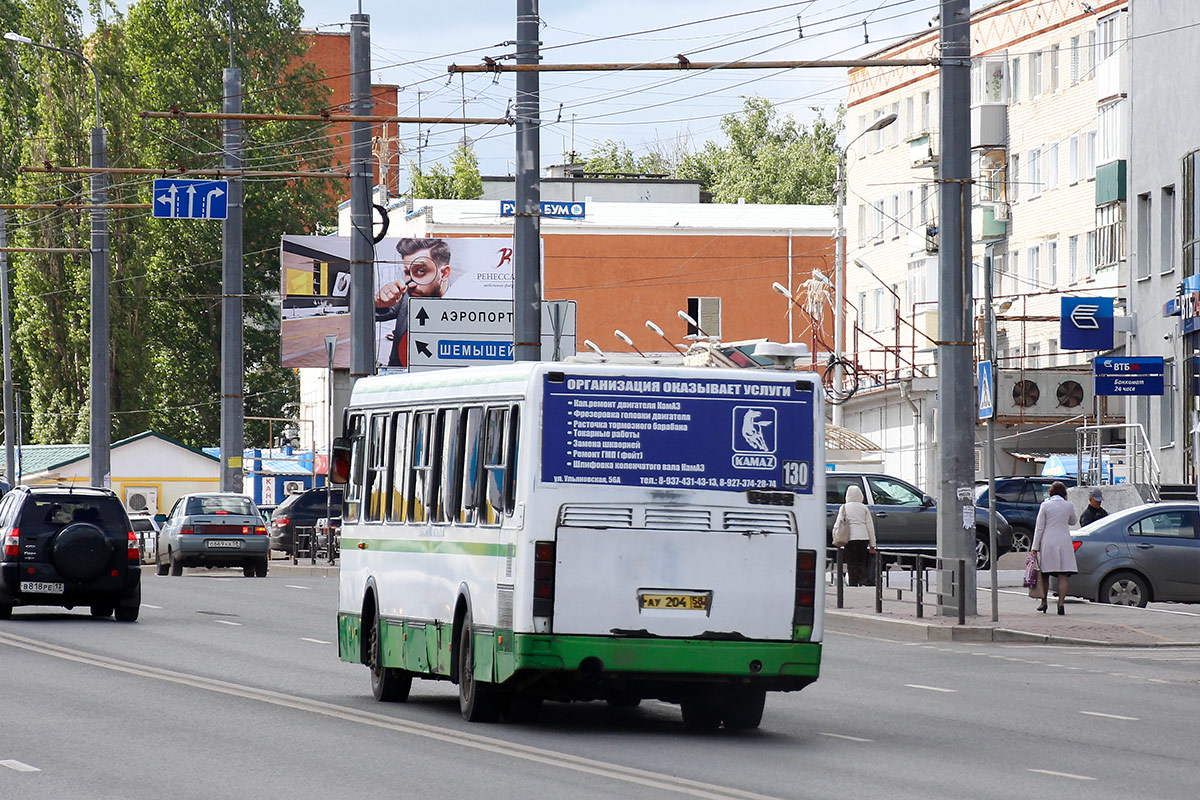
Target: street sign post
{"type": "Point", "coordinates": [550, 209]}
{"type": "Point", "coordinates": [459, 333]}
{"type": "Point", "coordinates": [987, 406]}
{"type": "Point", "coordinates": [185, 198]}
{"type": "Point", "coordinates": [1129, 376]}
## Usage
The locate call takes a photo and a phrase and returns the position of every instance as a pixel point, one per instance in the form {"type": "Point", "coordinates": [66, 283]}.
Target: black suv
{"type": "Point", "coordinates": [1019, 500]}
{"type": "Point", "coordinates": [65, 546]}
{"type": "Point", "coordinates": [302, 511]}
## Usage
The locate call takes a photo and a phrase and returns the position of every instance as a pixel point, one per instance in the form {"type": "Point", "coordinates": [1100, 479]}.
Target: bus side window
{"type": "Point", "coordinates": [422, 465]}
{"type": "Point", "coordinates": [471, 437]}
{"type": "Point", "coordinates": [510, 475]}
{"type": "Point", "coordinates": [353, 493]}
{"type": "Point", "coordinates": [449, 465]}
{"type": "Point", "coordinates": [493, 464]}
{"type": "Point", "coordinates": [400, 494]}
{"type": "Point", "coordinates": [376, 488]}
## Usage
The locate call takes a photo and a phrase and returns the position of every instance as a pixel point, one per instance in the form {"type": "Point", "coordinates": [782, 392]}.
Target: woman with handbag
{"type": "Point", "coordinates": [854, 532]}
{"type": "Point", "coordinates": [1052, 545]}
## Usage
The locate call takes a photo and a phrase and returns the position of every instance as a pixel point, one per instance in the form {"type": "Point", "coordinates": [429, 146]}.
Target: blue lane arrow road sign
{"type": "Point", "coordinates": [987, 407]}
{"type": "Point", "coordinates": [184, 198]}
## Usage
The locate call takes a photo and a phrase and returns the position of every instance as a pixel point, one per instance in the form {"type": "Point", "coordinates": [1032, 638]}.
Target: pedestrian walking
{"type": "Point", "coordinates": [1094, 510]}
{"type": "Point", "coordinates": [854, 532]}
{"type": "Point", "coordinates": [1052, 542]}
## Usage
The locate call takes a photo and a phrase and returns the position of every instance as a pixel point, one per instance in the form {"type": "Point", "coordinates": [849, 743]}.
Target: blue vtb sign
{"type": "Point", "coordinates": [550, 209]}
{"type": "Point", "coordinates": [1124, 376]}
{"type": "Point", "coordinates": [1086, 323]}
{"type": "Point", "coordinates": [182, 198]}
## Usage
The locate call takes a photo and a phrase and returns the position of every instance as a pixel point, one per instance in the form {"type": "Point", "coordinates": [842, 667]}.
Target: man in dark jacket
{"type": "Point", "coordinates": [1094, 511]}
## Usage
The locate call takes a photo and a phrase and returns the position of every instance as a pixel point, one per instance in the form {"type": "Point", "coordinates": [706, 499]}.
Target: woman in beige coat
{"type": "Point", "coordinates": [855, 514]}
{"type": "Point", "coordinates": [1052, 541]}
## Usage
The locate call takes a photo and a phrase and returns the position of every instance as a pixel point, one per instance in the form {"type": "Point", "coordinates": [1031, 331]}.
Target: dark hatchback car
{"type": "Point", "coordinates": [906, 518]}
{"type": "Point", "coordinates": [302, 511]}
{"type": "Point", "coordinates": [68, 547]}
{"type": "Point", "coordinates": [1141, 554]}
{"type": "Point", "coordinates": [1018, 500]}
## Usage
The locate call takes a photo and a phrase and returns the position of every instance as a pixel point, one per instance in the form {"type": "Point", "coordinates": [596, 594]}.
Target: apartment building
{"type": "Point", "coordinates": [1049, 137]}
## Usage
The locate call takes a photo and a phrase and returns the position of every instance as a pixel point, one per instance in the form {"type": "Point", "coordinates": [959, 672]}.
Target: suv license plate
{"type": "Point", "coordinates": [229, 543]}
{"type": "Point", "coordinates": [37, 587]}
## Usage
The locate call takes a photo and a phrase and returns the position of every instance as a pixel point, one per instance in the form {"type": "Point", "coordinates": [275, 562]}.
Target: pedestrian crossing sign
{"type": "Point", "coordinates": [987, 406]}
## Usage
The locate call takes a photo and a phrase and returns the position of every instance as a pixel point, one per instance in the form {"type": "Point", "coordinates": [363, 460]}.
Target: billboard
{"type": "Point", "coordinates": [315, 290]}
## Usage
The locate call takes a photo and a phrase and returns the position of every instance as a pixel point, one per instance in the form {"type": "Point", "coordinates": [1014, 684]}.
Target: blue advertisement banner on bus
{"type": "Point", "coordinates": [689, 433]}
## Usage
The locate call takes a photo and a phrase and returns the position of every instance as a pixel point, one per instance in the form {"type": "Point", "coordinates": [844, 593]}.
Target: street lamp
{"type": "Point", "coordinates": [99, 426]}
{"type": "Point", "coordinates": [594, 348]}
{"type": "Point", "coordinates": [659, 331]}
{"type": "Point", "coordinates": [620, 334]}
{"type": "Point", "coordinates": [683, 315]}
{"type": "Point", "coordinates": [840, 262]}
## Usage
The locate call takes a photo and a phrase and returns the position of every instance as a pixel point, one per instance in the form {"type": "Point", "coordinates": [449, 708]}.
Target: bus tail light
{"type": "Point", "coordinates": [543, 579]}
{"type": "Point", "coordinates": [806, 587]}
{"type": "Point", "coordinates": [12, 543]}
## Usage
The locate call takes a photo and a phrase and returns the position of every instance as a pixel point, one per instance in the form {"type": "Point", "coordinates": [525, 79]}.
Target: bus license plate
{"type": "Point", "coordinates": [685, 601]}
{"type": "Point", "coordinates": [37, 587]}
{"type": "Point", "coordinates": [232, 544]}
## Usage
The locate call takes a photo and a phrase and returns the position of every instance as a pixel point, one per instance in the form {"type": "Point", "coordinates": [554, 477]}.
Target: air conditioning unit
{"type": "Point", "coordinates": [142, 499]}
{"type": "Point", "coordinates": [1001, 212]}
{"type": "Point", "coordinates": [292, 487]}
{"type": "Point", "coordinates": [1043, 393]}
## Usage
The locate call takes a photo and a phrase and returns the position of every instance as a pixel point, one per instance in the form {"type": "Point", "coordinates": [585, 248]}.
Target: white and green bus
{"type": "Point", "coordinates": [537, 531]}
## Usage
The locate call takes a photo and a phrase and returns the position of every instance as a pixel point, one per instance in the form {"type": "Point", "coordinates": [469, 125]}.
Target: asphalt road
{"type": "Point", "coordinates": [231, 687]}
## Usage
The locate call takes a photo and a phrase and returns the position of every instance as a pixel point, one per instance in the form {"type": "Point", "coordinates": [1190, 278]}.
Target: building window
{"type": "Point", "coordinates": [1035, 75]}
{"type": "Point", "coordinates": [908, 210]}
{"type": "Point", "coordinates": [877, 228]}
{"type": "Point", "coordinates": [862, 225]}
{"type": "Point", "coordinates": [892, 132]}
{"type": "Point", "coordinates": [877, 135]}
{"type": "Point", "coordinates": [862, 309]}
{"type": "Point", "coordinates": [1107, 34]}
{"type": "Point", "coordinates": [1052, 263]}
{"type": "Point", "coordinates": [916, 283]}
{"type": "Point", "coordinates": [1052, 353]}
{"type": "Point", "coordinates": [706, 311]}
{"type": "Point", "coordinates": [1034, 169]}
{"type": "Point", "coordinates": [1166, 405]}
{"type": "Point", "coordinates": [1054, 54]}
{"type": "Point", "coordinates": [1089, 155]}
{"type": "Point", "coordinates": [1110, 235]}
{"type": "Point", "coordinates": [895, 216]}
{"type": "Point", "coordinates": [1035, 355]}
{"type": "Point", "coordinates": [924, 204]}
{"type": "Point", "coordinates": [1142, 246]}
{"type": "Point", "coordinates": [1016, 79]}
{"type": "Point", "coordinates": [1052, 166]}
{"type": "Point", "coordinates": [909, 118]}
{"type": "Point", "coordinates": [1166, 210]}
{"type": "Point", "coordinates": [926, 113]}
{"type": "Point", "coordinates": [1108, 124]}
{"type": "Point", "coordinates": [1073, 161]}
{"type": "Point", "coordinates": [1073, 259]}
{"type": "Point", "coordinates": [1033, 265]}
{"type": "Point", "coordinates": [1075, 59]}
{"type": "Point", "coordinates": [1091, 254]}
{"type": "Point", "coordinates": [878, 309]}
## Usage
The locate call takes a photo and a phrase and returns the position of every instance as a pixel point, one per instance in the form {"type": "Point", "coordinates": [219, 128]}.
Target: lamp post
{"type": "Point", "coordinates": [650, 325]}
{"type": "Point", "coordinates": [858, 262]}
{"type": "Point", "coordinates": [99, 425]}
{"type": "Point", "coordinates": [840, 265]}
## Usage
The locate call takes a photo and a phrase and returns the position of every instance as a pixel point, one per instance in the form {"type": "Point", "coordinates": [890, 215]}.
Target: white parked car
{"type": "Point", "coordinates": [145, 527]}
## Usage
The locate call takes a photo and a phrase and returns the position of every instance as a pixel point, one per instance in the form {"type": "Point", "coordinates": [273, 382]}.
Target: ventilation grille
{"type": "Point", "coordinates": [679, 519]}
{"type": "Point", "coordinates": [596, 516]}
{"type": "Point", "coordinates": [504, 602]}
{"type": "Point", "coordinates": [768, 521]}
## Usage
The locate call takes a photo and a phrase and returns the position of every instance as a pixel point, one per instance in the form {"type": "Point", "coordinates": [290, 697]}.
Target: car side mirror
{"type": "Point", "coordinates": [927, 501]}
{"type": "Point", "coordinates": [160, 518]}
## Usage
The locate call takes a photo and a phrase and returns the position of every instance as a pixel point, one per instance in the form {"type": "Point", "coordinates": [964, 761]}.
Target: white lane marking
{"type": "Point", "coordinates": [1063, 774]}
{"type": "Point", "coordinates": [13, 764]}
{"type": "Point", "coordinates": [1108, 716]}
{"type": "Point", "coordinates": [147, 605]}
{"type": "Point", "coordinates": [843, 736]}
{"type": "Point", "coordinates": [930, 688]}
{"type": "Point", "coordinates": [293, 586]}
{"type": "Point", "coordinates": [319, 641]}
{"type": "Point", "coordinates": [227, 622]}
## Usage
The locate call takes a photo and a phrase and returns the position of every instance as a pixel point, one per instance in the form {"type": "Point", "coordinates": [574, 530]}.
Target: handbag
{"type": "Point", "coordinates": [841, 531]}
{"type": "Point", "coordinates": [1034, 578]}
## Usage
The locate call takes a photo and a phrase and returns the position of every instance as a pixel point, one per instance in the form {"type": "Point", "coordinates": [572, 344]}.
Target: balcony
{"type": "Point", "coordinates": [922, 150]}
{"type": "Point", "coordinates": [1112, 77]}
{"type": "Point", "coordinates": [1110, 182]}
{"type": "Point", "coordinates": [989, 126]}
{"type": "Point", "coordinates": [989, 221]}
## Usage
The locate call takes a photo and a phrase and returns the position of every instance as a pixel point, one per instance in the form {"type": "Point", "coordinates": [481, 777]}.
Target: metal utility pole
{"type": "Point", "coordinates": [956, 420]}
{"type": "Point", "coordinates": [10, 462]}
{"type": "Point", "coordinates": [362, 248]}
{"type": "Point", "coordinates": [989, 354]}
{"type": "Point", "coordinates": [527, 253]}
{"type": "Point", "coordinates": [233, 401]}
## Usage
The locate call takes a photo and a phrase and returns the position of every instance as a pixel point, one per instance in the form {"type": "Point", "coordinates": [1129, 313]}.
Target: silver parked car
{"type": "Point", "coordinates": [215, 529]}
{"type": "Point", "coordinates": [1144, 553]}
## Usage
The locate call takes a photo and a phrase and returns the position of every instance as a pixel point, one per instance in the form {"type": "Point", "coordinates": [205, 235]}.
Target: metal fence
{"type": "Point", "coordinates": [912, 577]}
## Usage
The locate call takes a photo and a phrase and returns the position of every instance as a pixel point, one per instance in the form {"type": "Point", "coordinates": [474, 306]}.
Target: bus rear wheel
{"type": "Point", "coordinates": [388, 685]}
{"type": "Point", "coordinates": [476, 701]}
{"type": "Point", "coordinates": [743, 708]}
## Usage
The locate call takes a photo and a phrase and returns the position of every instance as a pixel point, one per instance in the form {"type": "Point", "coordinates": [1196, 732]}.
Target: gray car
{"type": "Point", "coordinates": [1141, 554]}
{"type": "Point", "coordinates": [216, 529]}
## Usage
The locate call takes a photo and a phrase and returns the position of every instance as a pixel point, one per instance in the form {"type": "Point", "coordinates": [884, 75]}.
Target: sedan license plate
{"type": "Point", "coordinates": [684, 601]}
{"type": "Point", "coordinates": [232, 544]}
{"type": "Point", "coordinates": [37, 587]}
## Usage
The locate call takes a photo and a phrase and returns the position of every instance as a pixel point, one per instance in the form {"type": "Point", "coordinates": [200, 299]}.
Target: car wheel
{"type": "Point", "coordinates": [743, 708]}
{"type": "Point", "coordinates": [128, 613]}
{"type": "Point", "coordinates": [176, 567]}
{"type": "Point", "coordinates": [388, 685]}
{"type": "Point", "coordinates": [1022, 540]}
{"type": "Point", "coordinates": [983, 553]}
{"type": "Point", "coordinates": [476, 701]}
{"type": "Point", "coordinates": [102, 611]}
{"type": "Point", "coordinates": [1125, 589]}
{"type": "Point", "coordinates": [160, 566]}
{"type": "Point", "coordinates": [261, 568]}
{"type": "Point", "coordinates": [249, 569]}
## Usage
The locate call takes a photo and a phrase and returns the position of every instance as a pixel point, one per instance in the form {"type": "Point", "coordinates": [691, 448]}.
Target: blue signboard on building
{"type": "Point", "coordinates": [183, 198]}
{"type": "Point", "coordinates": [729, 435]}
{"type": "Point", "coordinates": [550, 209]}
{"type": "Point", "coordinates": [1086, 323]}
{"type": "Point", "coordinates": [1124, 376]}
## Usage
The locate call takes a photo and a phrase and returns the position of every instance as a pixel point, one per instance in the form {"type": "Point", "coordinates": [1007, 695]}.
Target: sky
{"type": "Point", "coordinates": [645, 110]}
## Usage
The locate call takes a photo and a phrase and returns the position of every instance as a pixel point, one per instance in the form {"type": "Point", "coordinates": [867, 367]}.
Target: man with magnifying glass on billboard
{"type": "Point", "coordinates": [426, 273]}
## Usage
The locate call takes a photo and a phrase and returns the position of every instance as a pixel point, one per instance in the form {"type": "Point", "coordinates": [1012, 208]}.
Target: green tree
{"type": "Point", "coordinates": [460, 182]}
{"type": "Point", "coordinates": [615, 158]}
{"type": "Point", "coordinates": [768, 159]}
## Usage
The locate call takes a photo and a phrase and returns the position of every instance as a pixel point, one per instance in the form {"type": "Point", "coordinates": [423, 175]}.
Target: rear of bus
{"type": "Point", "coordinates": [673, 538]}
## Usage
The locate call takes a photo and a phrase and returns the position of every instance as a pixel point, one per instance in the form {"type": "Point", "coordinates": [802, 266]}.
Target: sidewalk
{"type": "Point", "coordinates": [1085, 623]}
{"type": "Point", "coordinates": [304, 568]}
